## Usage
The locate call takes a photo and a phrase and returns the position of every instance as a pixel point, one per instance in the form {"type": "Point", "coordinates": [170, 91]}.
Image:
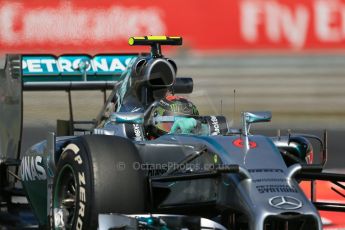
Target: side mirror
{"type": "Point", "coordinates": [127, 117]}
{"type": "Point", "coordinates": [254, 117]}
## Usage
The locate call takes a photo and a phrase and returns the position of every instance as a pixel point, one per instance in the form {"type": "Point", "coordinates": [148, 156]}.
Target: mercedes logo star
{"type": "Point", "coordinates": [285, 202]}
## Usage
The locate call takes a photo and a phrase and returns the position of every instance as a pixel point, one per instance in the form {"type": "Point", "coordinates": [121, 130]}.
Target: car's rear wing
{"type": "Point", "coordinates": [46, 73]}
{"type": "Point", "coordinates": [73, 72]}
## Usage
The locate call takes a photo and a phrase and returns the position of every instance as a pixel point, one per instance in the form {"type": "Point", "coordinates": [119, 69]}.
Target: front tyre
{"type": "Point", "coordinates": [88, 182]}
{"type": "Point", "coordinates": [73, 188]}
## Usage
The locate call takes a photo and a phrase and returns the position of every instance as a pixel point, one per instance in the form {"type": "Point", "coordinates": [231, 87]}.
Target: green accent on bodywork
{"type": "Point", "coordinates": [128, 121]}
{"type": "Point", "coordinates": [37, 196]}
{"type": "Point", "coordinates": [70, 78]}
{"type": "Point", "coordinates": [36, 192]}
{"type": "Point", "coordinates": [299, 150]}
{"type": "Point", "coordinates": [172, 184]}
{"type": "Point", "coordinates": [125, 84]}
{"type": "Point", "coordinates": [73, 67]}
{"type": "Point", "coordinates": [215, 158]}
{"type": "Point", "coordinates": [300, 147]}
{"type": "Point", "coordinates": [129, 118]}
{"type": "Point", "coordinates": [225, 183]}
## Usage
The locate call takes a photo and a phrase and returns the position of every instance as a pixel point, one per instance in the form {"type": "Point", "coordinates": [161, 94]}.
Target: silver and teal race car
{"type": "Point", "coordinates": [110, 174]}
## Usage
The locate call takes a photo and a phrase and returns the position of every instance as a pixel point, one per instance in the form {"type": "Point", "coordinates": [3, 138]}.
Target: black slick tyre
{"type": "Point", "coordinates": [95, 175]}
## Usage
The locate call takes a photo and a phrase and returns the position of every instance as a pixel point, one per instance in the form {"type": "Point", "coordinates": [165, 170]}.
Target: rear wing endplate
{"type": "Point", "coordinates": [11, 114]}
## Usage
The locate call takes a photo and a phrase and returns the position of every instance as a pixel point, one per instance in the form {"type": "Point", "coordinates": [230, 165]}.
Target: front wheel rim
{"type": "Point", "coordinates": [64, 200]}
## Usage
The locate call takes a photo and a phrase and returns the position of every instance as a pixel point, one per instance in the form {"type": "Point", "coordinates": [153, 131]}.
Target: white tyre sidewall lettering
{"type": "Point", "coordinates": [81, 182]}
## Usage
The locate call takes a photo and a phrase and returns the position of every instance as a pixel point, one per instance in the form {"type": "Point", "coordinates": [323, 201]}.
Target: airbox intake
{"type": "Point", "coordinates": [159, 73]}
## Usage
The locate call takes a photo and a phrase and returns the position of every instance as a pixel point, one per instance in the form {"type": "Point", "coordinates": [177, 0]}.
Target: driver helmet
{"type": "Point", "coordinates": [164, 114]}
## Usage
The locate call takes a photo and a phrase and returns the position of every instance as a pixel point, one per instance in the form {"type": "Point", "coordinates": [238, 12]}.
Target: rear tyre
{"type": "Point", "coordinates": [96, 174]}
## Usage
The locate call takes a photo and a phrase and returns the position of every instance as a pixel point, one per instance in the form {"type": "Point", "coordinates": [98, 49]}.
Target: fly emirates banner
{"type": "Point", "coordinates": [207, 26]}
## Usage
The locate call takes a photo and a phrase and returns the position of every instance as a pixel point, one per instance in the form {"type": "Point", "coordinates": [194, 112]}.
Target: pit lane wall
{"type": "Point", "coordinates": [58, 26]}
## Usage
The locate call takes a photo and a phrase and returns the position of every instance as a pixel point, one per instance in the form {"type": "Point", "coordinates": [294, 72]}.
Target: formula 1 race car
{"type": "Point", "coordinates": [111, 173]}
